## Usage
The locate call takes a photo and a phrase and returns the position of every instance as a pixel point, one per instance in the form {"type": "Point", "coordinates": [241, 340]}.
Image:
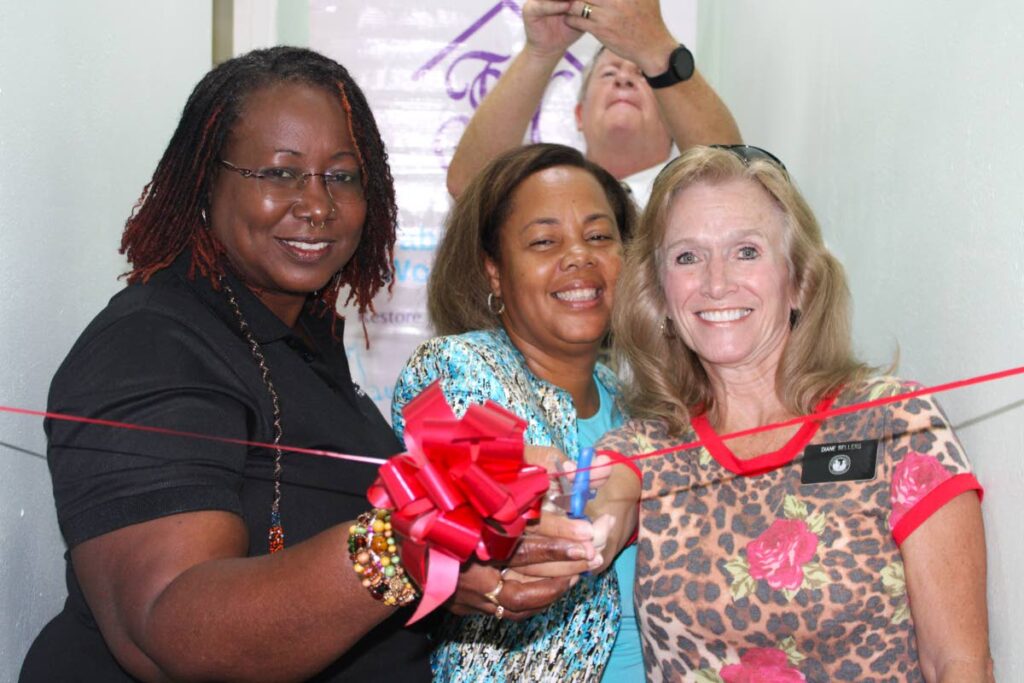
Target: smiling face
{"type": "Point", "coordinates": [279, 247]}
{"type": "Point", "coordinates": [724, 271]}
{"type": "Point", "coordinates": [618, 100]}
{"type": "Point", "coordinates": [560, 255]}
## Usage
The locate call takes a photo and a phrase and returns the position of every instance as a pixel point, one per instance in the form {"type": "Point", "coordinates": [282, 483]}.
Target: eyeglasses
{"type": "Point", "coordinates": [283, 184]}
{"type": "Point", "coordinates": [751, 153]}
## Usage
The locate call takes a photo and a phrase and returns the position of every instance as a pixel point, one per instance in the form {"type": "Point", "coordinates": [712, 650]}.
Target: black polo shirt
{"type": "Point", "coordinates": [170, 354]}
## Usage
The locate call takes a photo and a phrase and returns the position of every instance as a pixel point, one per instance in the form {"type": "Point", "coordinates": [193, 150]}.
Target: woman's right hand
{"type": "Point", "coordinates": [618, 499]}
{"type": "Point", "coordinates": [519, 599]}
{"type": "Point", "coordinates": [546, 564]}
{"type": "Point", "coordinates": [555, 525]}
{"type": "Point", "coordinates": [600, 470]}
{"type": "Point", "coordinates": [522, 595]}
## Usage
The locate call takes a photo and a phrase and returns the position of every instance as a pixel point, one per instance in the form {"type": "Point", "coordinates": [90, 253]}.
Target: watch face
{"type": "Point", "coordinates": [682, 63]}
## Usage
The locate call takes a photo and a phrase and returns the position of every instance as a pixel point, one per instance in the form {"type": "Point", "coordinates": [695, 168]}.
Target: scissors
{"type": "Point", "coordinates": [581, 492]}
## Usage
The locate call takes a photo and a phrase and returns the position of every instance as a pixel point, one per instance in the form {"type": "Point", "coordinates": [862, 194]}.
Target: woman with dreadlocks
{"type": "Point", "coordinates": [201, 560]}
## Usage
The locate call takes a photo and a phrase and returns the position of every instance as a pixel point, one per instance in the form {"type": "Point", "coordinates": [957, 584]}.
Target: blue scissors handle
{"type": "Point", "coordinates": [581, 484]}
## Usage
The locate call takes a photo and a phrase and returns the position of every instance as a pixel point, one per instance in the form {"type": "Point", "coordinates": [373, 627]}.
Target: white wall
{"type": "Point", "coordinates": [902, 123]}
{"type": "Point", "coordinates": [89, 95]}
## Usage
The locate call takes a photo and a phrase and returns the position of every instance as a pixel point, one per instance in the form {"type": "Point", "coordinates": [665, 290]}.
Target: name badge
{"type": "Point", "coordinates": [848, 461]}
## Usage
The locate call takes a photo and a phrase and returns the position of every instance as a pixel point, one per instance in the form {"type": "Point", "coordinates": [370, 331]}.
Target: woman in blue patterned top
{"type": "Point", "coordinates": [522, 289]}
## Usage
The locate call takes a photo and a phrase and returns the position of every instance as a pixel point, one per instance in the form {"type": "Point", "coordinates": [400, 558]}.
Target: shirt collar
{"type": "Point", "coordinates": [602, 374]}
{"type": "Point", "coordinates": [265, 326]}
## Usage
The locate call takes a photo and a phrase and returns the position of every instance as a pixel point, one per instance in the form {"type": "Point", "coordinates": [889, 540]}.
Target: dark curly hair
{"type": "Point", "coordinates": [168, 217]}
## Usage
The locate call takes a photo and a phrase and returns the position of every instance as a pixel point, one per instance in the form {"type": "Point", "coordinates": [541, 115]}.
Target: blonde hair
{"type": "Point", "coordinates": [458, 286]}
{"type": "Point", "coordinates": [668, 380]}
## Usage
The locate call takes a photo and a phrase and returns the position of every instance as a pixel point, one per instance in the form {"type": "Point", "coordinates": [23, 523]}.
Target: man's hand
{"type": "Point", "coordinates": [547, 32]}
{"type": "Point", "coordinates": [632, 29]}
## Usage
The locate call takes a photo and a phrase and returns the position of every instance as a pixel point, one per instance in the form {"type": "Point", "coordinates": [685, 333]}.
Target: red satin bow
{"type": "Point", "coordinates": [461, 489]}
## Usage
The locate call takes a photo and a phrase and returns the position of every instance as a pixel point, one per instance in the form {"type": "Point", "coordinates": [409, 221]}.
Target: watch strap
{"type": "Point", "coordinates": [680, 68]}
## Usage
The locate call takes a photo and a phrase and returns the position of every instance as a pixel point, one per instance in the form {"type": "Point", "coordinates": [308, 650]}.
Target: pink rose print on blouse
{"type": "Point", "coordinates": [915, 477]}
{"type": "Point", "coordinates": [762, 665]}
{"type": "Point", "coordinates": [780, 553]}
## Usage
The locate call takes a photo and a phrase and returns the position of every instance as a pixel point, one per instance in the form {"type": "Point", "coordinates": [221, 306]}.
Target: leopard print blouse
{"type": "Point", "coordinates": [745, 573]}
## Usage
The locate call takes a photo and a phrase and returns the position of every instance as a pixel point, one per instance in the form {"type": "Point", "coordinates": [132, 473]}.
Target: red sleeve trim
{"type": "Point", "coordinates": [932, 502]}
{"type": "Point", "coordinates": [631, 464]}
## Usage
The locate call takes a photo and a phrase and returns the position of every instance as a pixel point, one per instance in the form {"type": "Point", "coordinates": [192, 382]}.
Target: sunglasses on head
{"type": "Point", "coordinates": [751, 153]}
{"type": "Point", "coordinates": [747, 153]}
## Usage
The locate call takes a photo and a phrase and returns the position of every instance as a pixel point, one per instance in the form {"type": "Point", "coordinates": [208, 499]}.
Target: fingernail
{"type": "Point", "coordinates": [596, 562]}
{"type": "Point", "coordinates": [577, 552]}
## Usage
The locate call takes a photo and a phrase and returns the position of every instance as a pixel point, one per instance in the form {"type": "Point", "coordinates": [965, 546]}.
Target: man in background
{"type": "Point", "coordinates": [640, 96]}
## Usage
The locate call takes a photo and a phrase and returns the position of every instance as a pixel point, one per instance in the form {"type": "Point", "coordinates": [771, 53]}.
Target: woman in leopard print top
{"type": "Point", "coordinates": [848, 549]}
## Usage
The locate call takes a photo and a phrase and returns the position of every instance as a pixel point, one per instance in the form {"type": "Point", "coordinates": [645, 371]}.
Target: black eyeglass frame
{"type": "Point", "coordinates": [303, 178]}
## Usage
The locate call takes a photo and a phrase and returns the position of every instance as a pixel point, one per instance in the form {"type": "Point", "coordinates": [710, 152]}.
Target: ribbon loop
{"type": "Point", "coordinates": [461, 489]}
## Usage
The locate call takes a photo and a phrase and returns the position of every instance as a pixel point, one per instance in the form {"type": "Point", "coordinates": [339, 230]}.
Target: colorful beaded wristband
{"type": "Point", "coordinates": [375, 558]}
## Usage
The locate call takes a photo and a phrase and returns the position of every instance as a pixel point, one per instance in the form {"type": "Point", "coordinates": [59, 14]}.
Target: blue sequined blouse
{"type": "Point", "coordinates": [571, 640]}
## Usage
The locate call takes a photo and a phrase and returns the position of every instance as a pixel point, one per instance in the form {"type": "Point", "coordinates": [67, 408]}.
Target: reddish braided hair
{"type": "Point", "coordinates": [169, 216]}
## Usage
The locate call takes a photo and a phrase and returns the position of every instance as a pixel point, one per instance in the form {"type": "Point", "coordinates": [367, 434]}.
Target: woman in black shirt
{"type": "Point", "coordinates": [273, 195]}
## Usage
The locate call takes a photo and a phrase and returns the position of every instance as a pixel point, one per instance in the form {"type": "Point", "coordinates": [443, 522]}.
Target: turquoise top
{"type": "Point", "coordinates": [573, 638]}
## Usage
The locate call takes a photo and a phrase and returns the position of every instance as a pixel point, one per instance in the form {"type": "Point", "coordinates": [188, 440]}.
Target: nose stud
{"type": "Point", "coordinates": [322, 225]}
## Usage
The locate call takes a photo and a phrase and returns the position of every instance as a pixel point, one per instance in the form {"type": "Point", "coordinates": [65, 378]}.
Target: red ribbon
{"type": "Point", "coordinates": [462, 488]}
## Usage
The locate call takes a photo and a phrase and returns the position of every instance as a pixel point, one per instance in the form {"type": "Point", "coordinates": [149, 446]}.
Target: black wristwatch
{"type": "Point", "coordinates": [680, 68]}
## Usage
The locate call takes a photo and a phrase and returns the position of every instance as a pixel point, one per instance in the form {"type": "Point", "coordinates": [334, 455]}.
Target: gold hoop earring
{"type": "Point", "coordinates": [490, 304]}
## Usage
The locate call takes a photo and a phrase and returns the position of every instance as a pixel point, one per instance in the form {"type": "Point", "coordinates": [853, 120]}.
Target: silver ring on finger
{"type": "Point", "coordinates": [499, 613]}
{"type": "Point", "coordinates": [586, 11]}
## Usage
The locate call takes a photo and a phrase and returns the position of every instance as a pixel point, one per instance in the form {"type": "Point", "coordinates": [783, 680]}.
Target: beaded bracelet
{"type": "Point", "coordinates": [375, 558]}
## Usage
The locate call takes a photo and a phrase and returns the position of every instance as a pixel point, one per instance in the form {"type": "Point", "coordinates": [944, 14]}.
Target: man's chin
{"type": "Point", "coordinates": [623, 127]}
